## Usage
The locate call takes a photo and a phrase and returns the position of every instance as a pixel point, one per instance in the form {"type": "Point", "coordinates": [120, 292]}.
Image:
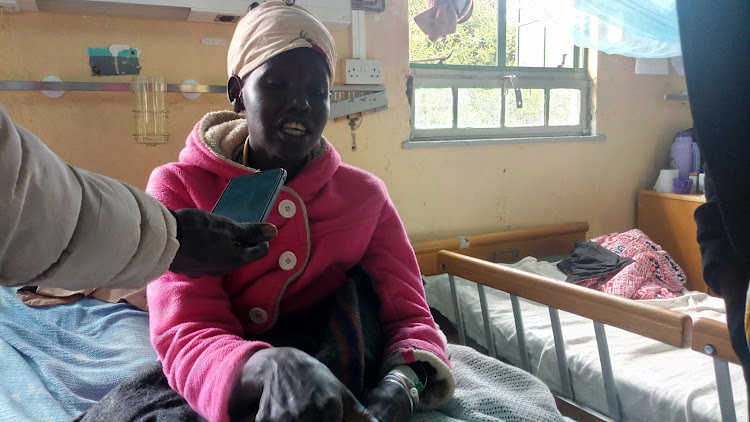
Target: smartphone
{"type": "Point", "coordinates": [249, 198]}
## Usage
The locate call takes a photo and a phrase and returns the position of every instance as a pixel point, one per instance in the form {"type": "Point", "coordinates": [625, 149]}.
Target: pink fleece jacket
{"type": "Point", "coordinates": [330, 218]}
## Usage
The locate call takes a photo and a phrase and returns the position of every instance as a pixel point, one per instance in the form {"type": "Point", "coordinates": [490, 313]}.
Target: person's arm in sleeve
{"type": "Point", "coordinates": [70, 228]}
{"type": "Point", "coordinates": [198, 340]}
{"type": "Point", "coordinates": [408, 327]}
{"type": "Point", "coordinates": [723, 271]}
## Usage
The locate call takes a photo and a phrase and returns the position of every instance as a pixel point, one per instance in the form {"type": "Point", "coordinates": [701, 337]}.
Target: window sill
{"type": "Point", "coordinates": [439, 143]}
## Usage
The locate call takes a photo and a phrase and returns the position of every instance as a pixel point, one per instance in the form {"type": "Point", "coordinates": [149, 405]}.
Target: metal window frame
{"type": "Point", "coordinates": [441, 75]}
{"type": "Point", "coordinates": [456, 79]}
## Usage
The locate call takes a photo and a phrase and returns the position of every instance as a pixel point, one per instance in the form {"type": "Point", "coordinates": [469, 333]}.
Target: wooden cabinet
{"type": "Point", "coordinates": [667, 218]}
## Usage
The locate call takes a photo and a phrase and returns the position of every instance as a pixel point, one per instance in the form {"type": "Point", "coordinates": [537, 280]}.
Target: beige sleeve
{"type": "Point", "coordinates": [69, 228]}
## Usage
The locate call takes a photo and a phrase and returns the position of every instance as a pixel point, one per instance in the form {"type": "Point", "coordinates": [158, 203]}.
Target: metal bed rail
{"type": "Point", "coordinates": [711, 338]}
{"type": "Point", "coordinates": [670, 327]}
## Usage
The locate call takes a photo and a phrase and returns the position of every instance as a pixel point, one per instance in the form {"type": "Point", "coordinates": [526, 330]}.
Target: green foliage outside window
{"type": "Point", "coordinates": [474, 43]}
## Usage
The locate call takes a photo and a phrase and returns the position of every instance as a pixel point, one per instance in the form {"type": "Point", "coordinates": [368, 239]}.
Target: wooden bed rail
{"type": "Point", "coordinates": [663, 325]}
{"type": "Point", "coordinates": [505, 246]}
{"type": "Point", "coordinates": [709, 332]}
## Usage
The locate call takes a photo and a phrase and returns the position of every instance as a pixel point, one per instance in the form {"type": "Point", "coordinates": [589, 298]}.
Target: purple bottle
{"type": "Point", "coordinates": [682, 152]}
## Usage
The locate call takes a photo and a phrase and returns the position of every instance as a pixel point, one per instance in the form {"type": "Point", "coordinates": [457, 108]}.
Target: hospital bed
{"type": "Point", "coordinates": [604, 357]}
{"type": "Point", "coordinates": [58, 361]}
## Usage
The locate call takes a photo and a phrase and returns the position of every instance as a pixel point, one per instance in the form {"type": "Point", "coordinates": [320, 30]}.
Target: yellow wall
{"type": "Point", "coordinates": [438, 192]}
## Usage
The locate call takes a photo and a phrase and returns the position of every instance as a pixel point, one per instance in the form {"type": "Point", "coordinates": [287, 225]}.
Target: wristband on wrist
{"type": "Point", "coordinates": [409, 373]}
{"type": "Point", "coordinates": [408, 380]}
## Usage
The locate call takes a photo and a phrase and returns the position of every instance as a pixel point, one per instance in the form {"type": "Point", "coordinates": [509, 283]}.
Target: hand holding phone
{"type": "Point", "coordinates": [249, 198]}
{"type": "Point", "coordinates": [211, 244]}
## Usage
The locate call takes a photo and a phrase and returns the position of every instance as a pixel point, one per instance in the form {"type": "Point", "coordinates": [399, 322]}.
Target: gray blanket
{"type": "Point", "coordinates": [488, 390]}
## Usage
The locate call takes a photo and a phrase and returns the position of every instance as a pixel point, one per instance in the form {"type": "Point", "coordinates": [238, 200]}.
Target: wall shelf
{"type": "Point", "coordinates": [103, 86]}
{"type": "Point", "coordinates": [127, 87]}
{"type": "Point", "coordinates": [677, 97]}
{"type": "Point", "coordinates": [346, 99]}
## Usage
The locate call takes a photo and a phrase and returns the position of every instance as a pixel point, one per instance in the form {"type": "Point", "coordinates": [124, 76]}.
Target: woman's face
{"type": "Point", "coordinates": [287, 105]}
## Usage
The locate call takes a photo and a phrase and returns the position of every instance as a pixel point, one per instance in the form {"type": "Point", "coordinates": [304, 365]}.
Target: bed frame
{"type": "Point", "coordinates": [473, 258]}
{"type": "Point", "coordinates": [505, 246]}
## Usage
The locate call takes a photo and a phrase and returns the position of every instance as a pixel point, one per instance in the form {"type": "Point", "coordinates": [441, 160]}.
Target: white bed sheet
{"type": "Point", "coordinates": [655, 382]}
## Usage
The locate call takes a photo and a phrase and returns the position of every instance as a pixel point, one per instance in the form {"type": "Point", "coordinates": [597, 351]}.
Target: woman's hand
{"type": "Point", "coordinates": [286, 384]}
{"type": "Point", "coordinates": [389, 403]}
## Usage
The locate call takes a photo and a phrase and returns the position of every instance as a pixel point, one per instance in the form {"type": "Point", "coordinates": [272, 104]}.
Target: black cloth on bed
{"type": "Point", "coordinates": [589, 260]}
{"type": "Point", "coordinates": [346, 337]}
{"type": "Point", "coordinates": [146, 397]}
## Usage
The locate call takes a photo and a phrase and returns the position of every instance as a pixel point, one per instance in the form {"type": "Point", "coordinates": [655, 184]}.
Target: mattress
{"type": "Point", "coordinates": [655, 381]}
{"type": "Point", "coordinates": [58, 361]}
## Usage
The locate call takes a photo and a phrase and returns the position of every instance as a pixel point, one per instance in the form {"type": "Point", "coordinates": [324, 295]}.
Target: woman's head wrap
{"type": "Point", "coordinates": [273, 28]}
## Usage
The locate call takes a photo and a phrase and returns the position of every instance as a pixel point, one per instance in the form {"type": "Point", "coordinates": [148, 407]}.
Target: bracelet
{"type": "Point", "coordinates": [408, 380]}
{"type": "Point", "coordinates": [409, 373]}
{"type": "Point", "coordinates": [395, 380]}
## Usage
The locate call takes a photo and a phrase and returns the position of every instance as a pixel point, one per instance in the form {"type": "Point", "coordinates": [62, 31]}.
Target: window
{"type": "Point", "coordinates": [467, 85]}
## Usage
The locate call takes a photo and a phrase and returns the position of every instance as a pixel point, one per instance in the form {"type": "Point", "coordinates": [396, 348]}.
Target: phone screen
{"type": "Point", "coordinates": [250, 197]}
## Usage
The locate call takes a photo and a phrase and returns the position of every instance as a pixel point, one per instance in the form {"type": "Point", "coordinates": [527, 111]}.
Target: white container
{"type": "Point", "coordinates": [664, 183]}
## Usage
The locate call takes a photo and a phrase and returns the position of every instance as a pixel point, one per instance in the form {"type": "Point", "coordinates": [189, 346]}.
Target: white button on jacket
{"type": "Point", "coordinates": [287, 208]}
{"type": "Point", "coordinates": [287, 260]}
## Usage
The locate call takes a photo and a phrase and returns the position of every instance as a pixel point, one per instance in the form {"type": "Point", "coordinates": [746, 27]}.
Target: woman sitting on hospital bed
{"type": "Point", "coordinates": [294, 336]}
{"type": "Point", "coordinates": [213, 337]}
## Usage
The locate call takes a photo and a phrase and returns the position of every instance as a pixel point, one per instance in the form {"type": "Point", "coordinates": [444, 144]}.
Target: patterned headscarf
{"type": "Point", "coordinates": [273, 28]}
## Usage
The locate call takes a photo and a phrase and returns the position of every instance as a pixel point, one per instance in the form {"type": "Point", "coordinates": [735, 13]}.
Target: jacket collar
{"type": "Point", "coordinates": [214, 139]}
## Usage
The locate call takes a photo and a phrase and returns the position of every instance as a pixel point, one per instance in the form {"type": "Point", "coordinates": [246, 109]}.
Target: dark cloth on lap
{"type": "Point", "coordinates": [343, 333]}
{"type": "Point", "coordinates": [146, 397]}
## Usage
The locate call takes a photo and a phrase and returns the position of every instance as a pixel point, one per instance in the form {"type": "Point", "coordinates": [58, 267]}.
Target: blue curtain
{"type": "Point", "coordinates": [634, 28]}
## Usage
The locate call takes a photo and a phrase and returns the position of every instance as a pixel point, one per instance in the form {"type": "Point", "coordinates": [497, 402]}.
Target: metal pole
{"type": "Point", "coordinates": [562, 359]}
{"type": "Point", "coordinates": [486, 319]}
{"type": "Point", "coordinates": [610, 388]}
{"type": "Point", "coordinates": [520, 333]}
{"type": "Point", "coordinates": [126, 87]}
{"type": "Point", "coordinates": [104, 86]}
{"type": "Point", "coordinates": [457, 311]}
{"type": "Point", "coordinates": [724, 387]}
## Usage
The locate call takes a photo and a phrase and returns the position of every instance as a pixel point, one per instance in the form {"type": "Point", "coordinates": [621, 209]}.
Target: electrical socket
{"type": "Point", "coordinates": [9, 6]}
{"type": "Point", "coordinates": [360, 71]}
{"type": "Point", "coordinates": [214, 41]}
